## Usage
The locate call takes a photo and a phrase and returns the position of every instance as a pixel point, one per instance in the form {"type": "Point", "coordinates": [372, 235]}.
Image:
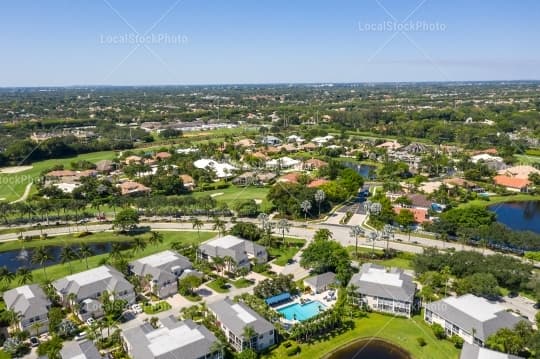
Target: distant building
{"type": "Point", "coordinates": [163, 268]}
{"type": "Point", "coordinates": [390, 291]}
{"type": "Point", "coordinates": [131, 188]}
{"type": "Point", "coordinates": [233, 318]}
{"type": "Point", "coordinates": [80, 350]}
{"type": "Point", "coordinates": [173, 339]}
{"type": "Point", "coordinates": [222, 170]}
{"type": "Point", "coordinates": [31, 303]}
{"type": "Point", "coordinates": [314, 164]}
{"type": "Point", "coordinates": [188, 181]}
{"type": "Point", "coordinates": [105, 166]}
{"type": "Point", "coordinates": [513, 184]}
{"type": "Point", "coordinates": [240, 250]}
{"type": "Point", "coordinates": [472, 318]}
{"type": "Point", "coordinates": [270, 141]}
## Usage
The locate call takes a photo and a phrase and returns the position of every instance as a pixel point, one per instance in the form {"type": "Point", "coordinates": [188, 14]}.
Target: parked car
{"type": "Point", "coordinates": [81, 336]}
{"type": "Point", "coordinates": [34, 342]}
{"type": "Point", "coordinates": [137, 308]}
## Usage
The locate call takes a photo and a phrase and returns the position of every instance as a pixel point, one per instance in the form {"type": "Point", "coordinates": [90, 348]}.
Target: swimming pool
{"type": "Point", "coordinates": [302, 312]}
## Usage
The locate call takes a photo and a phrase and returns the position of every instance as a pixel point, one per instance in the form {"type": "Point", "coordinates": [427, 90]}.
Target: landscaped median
{"type": "Point", "coordinates": [398, 331]}
{"type": "Point", "coordinates": [156, 307]}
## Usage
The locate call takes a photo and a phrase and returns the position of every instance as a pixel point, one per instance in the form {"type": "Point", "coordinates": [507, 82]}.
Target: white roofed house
{"type": "Point", "coordinates": [284, 163]}
{"type": "Point", "coordinates": [173, 339]}
{"type": "Point", "coordinates": [472, 318]}
{"type": "Point", "coordinates": [32, 305]}
{"type": "Point", "coordinates": [221, 169]}
{"type": "Point", "coordinates": [86, 288]}
{"type": "Point", "coordinates": [163, 269]}
{"type": "Point", "coordinates": [240, 250]}
{"type": "Point", "coordinates": [234, 319]}
{"type": "Point", "coordinates": [385, 290]}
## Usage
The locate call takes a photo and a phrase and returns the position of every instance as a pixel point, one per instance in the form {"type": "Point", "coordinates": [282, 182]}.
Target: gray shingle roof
{"type": "Point", "coordinates": [86, 284]}
{"type": "Point", "coordinates": [161, 266]}
{"type": "Point", "coordinates": [377, 281]}
{"type": "Point", "coordinates": [237, 316]}
{"type": "Point", "coordinates": [29, 300]}
{"type": "Point", "coordinates": [470, 351]}
{"type": "Point", "coordinates": [469, 311]}
{"type": "Point", "coordinates": [231, 246]}
{"type": "Point", "coordinates": [79, 350]}
{"type": "Point", "coordinates": [175, 340]}
{"type": "Point", "coordinates": [321, 280]}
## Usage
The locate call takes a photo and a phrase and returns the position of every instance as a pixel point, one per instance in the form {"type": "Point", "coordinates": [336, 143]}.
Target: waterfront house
{"type": "Point", "coordinates": [31, 303]}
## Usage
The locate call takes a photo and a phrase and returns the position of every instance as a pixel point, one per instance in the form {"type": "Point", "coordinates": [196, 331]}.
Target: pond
{"type": "Point", "coordinates": [22, 257]}
{"type": "Point", "coordinates": [519, 216]}
{"type": "Point", "coordinates": [365, 171]}
{"type": "Point", "coordinates": [370, 349]}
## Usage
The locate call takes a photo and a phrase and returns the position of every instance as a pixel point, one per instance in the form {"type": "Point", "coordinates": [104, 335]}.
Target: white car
{"type": "Point", "coordinates": [137, 308]}
{"type": "Point", "coordinates": [81, 336]}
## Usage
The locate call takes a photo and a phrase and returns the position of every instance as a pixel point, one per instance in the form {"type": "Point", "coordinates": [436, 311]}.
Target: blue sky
{"type": "Point", "coordinates": [85, 42]}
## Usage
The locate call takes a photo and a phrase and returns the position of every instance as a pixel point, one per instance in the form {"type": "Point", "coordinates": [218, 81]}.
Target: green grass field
{"type": "Point", "coordinates": [284, 253]}
{"type": "Point", "coordinates": [61, 270]}
{"type": "Point", "coordinates": [14, 184]}
{"type": "Point", "coordinates": [399, 331]}
{"type": "Point", "coordinates": [402, 260]}
{"type": "Point", "coordinates": [234, 193]}
{"type": "Point", "coordinates": [518, 197]}
{"type": "Point", "coordinates": [215, 286]}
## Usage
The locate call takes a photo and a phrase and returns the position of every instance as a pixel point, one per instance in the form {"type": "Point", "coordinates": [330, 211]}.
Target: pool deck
{"type": "Point", "coordinates": [308, 298]}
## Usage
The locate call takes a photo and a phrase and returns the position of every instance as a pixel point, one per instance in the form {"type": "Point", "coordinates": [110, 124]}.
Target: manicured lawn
{"type": "Point", "coordinates": [156, 307]}
{"type": "Point", "coordinates": [14, 184]}
{"type": "Point", "coordinates": [519, 197]}
{"type": "Point", "coordinates": [234, 193]}
{"type": "Point", "coordinates": [242, 283]}
{"type": "Point", "coordinates": [215, 286]}
{"type": "Point", "coordinates": [402, 260]}
{"type": "Point", "coordinates": [58, 271]}
{"type": "Point", "coordinates": [400, 331]}
{"type": "Point", "coordinates": [286, 252]}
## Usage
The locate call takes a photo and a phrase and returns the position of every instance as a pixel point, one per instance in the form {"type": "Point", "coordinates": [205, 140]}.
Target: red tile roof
{"type": "Point", "coordinates": [317, 183]}
{"type": "Point", "coordinates": [511, 182]}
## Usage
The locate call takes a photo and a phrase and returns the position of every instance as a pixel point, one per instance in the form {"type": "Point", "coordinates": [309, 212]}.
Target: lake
{"type": "Point", "coordinates": [365, 171]}
{"type": "Point", "coordinates": [370, 349]}
{"type": "Point", "coordinates": [21, 258]}
{"type": "Point", "coordinates": [519, 216]}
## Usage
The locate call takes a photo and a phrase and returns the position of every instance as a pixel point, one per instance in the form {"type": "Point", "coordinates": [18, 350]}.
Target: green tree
{"type": "Point", "coordinates": [85, 252]}
{"type": "Point", "coordinates": [126, 220]}
{"type": "Point", "coordinates": [41, 256]}
{"type": "Point", "coordinates": [25, 275]}
{"type": "Point", "coordinates": [405, 218]}
{"type": "Point", "coordinates": [67, 255]}
{"type": "Point", "coordinates": [197, 224]}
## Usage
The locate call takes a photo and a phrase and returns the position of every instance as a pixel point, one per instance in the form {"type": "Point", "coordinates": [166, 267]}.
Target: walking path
{"type": "Point", "coordinates": [25, 194]}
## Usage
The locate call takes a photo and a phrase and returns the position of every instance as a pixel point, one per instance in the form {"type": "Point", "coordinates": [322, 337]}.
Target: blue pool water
{"type": "Point", "coordinates": [302, 312]}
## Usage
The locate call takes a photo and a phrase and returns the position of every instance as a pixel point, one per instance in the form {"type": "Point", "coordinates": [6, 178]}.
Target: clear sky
{"type": "Point", "coordinates": [92, 42]}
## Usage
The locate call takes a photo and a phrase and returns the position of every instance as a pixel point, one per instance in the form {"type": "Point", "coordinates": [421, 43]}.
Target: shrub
{"type": "Point", "coordinates": [421, 341]}
{"type": "Point", "coordinates": [438, 330]}
{"type": "Point", "coordinates": [293, 351]}
{"type": "Point", "coordinates": [287, 344]}
{"type": "Point", "coordinates": [457, 340]}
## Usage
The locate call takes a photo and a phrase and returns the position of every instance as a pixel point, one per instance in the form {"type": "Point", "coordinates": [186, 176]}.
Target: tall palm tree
{"type": "Point", "coordinates": [41, 256]}
{"type": "Point", "coordinates": [84, 252]}
{"type": "Point", "coordinates": [197, 223]}
{"type": "Point", "coordinates": [263, 218]}
{"type": "Point", "coordinates": [12, 317]}
{"type": "Point", "coordinates": [320, 196]}
{"type": "Point", "coordinates": [306, 207]}
{"type": "Point", "coordinates": [6, 275]}
{"type": "Point", "coordinates": [229, 262]}
{"type": "Point", "coordinates": [219, 263]}
{"type": "Point", "coordinates": [249, 334]}
{"type": "Point", "coordinates": [67, 255]}
{"type": "Point", "coordinates": [25, 275]}
{"type": "Point", "coordinates": [138, 244]}
{"type": "Point", "coordinates": [116, 251]}
{"type": "Point", "coordinates": [283, 226]}
{"type": "Point", "coordinates": [355, 232]}
{"type": "Point", "coordinates": [219, 225]}
{"type": "Point", "coordinates": [156, 238]}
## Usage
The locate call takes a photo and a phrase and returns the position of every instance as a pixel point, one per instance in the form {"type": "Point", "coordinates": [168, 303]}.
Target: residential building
{"type": "Point", "coordinates": [314, 164]}
{"type": "Point", "coordinates": [470, 351]}
{"type": "Point", "coordinates": [86, 288]}
{"type": "Point", "coordinates": [472, 318]}
{"type": "Point", "coordinates": [284, 163]}
{"type": "Point", "coordinates": [321, 282]}
{"type": "Point", "coordinates": [163, 269]}
{"type": "Point", "coordinates": [31, 303]}
{"type": "Point", "coordinates": [240, 250]}
{"type": "Point", "coordinates": [513, 184]}
{"type": "Point", "coordinates": [79, 350]}
{"type": "Point", "coordinates": [233, 319]}
{"type": "Point", "coordinates": [254, 178]}
{"type": "Point", "coordinates": [271, 141]}
{"type": "Point", "coordinates": [133, 188]}
{"type": "Point", "coordinates": [222, 170]}
{"type": "Point", "coordinates": [188, 182]}
{"type": "Point", "coordinates": [385, 290]}
{"type": "Point", "coordinates": [173, 339]}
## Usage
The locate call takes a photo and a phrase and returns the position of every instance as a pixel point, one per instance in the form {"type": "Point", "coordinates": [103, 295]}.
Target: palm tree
{"type": "Point", "coordinates": [41, 256]}
{"type": "Point", "coordinates": [197, 223]}
{"type": "Point", "coordinates": [36, 326]}
{"type": "Point", "coordinates": [12, 317]}
{"type": "Point", "coordinates": [283, 225]}
{"type": "Point", "coordinates": [249, 334]}
{"type": "Point", "coordinates": [229, 262]}
{"type": "Point", "coordinates": [372, 237]}
{"type": "Point", "coordinates": [319, 198]}
{"type": "Point", "coordinates": [355, 232]}
{"type": "Point", "coordinates": [6, 275]}
{"type": "Point", "coordinates": [156, 238]}
{"type": "Point", "coordinates": [263, 218]}
{"type": "Point", "coordinates": [306, 207]}
{"type": "Point", "coordinates": [219, 225]}
{"type": "Point", "coordinates": [138, 244]}
{"type": "Point", "coordinates": [25, 275]}
{"type": "Point", "coordinates": [219, 263]}
{"type": "Point", "coordinates": [84, 252]}
{"type": "Point", "coordinates": [67, 255]}
{"type": "Point", "coordinates": [217, 347]}
{"type": "Point", "coordinates": [483, 243]}
{"type": "Point", "coordinates": [116, 251]}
